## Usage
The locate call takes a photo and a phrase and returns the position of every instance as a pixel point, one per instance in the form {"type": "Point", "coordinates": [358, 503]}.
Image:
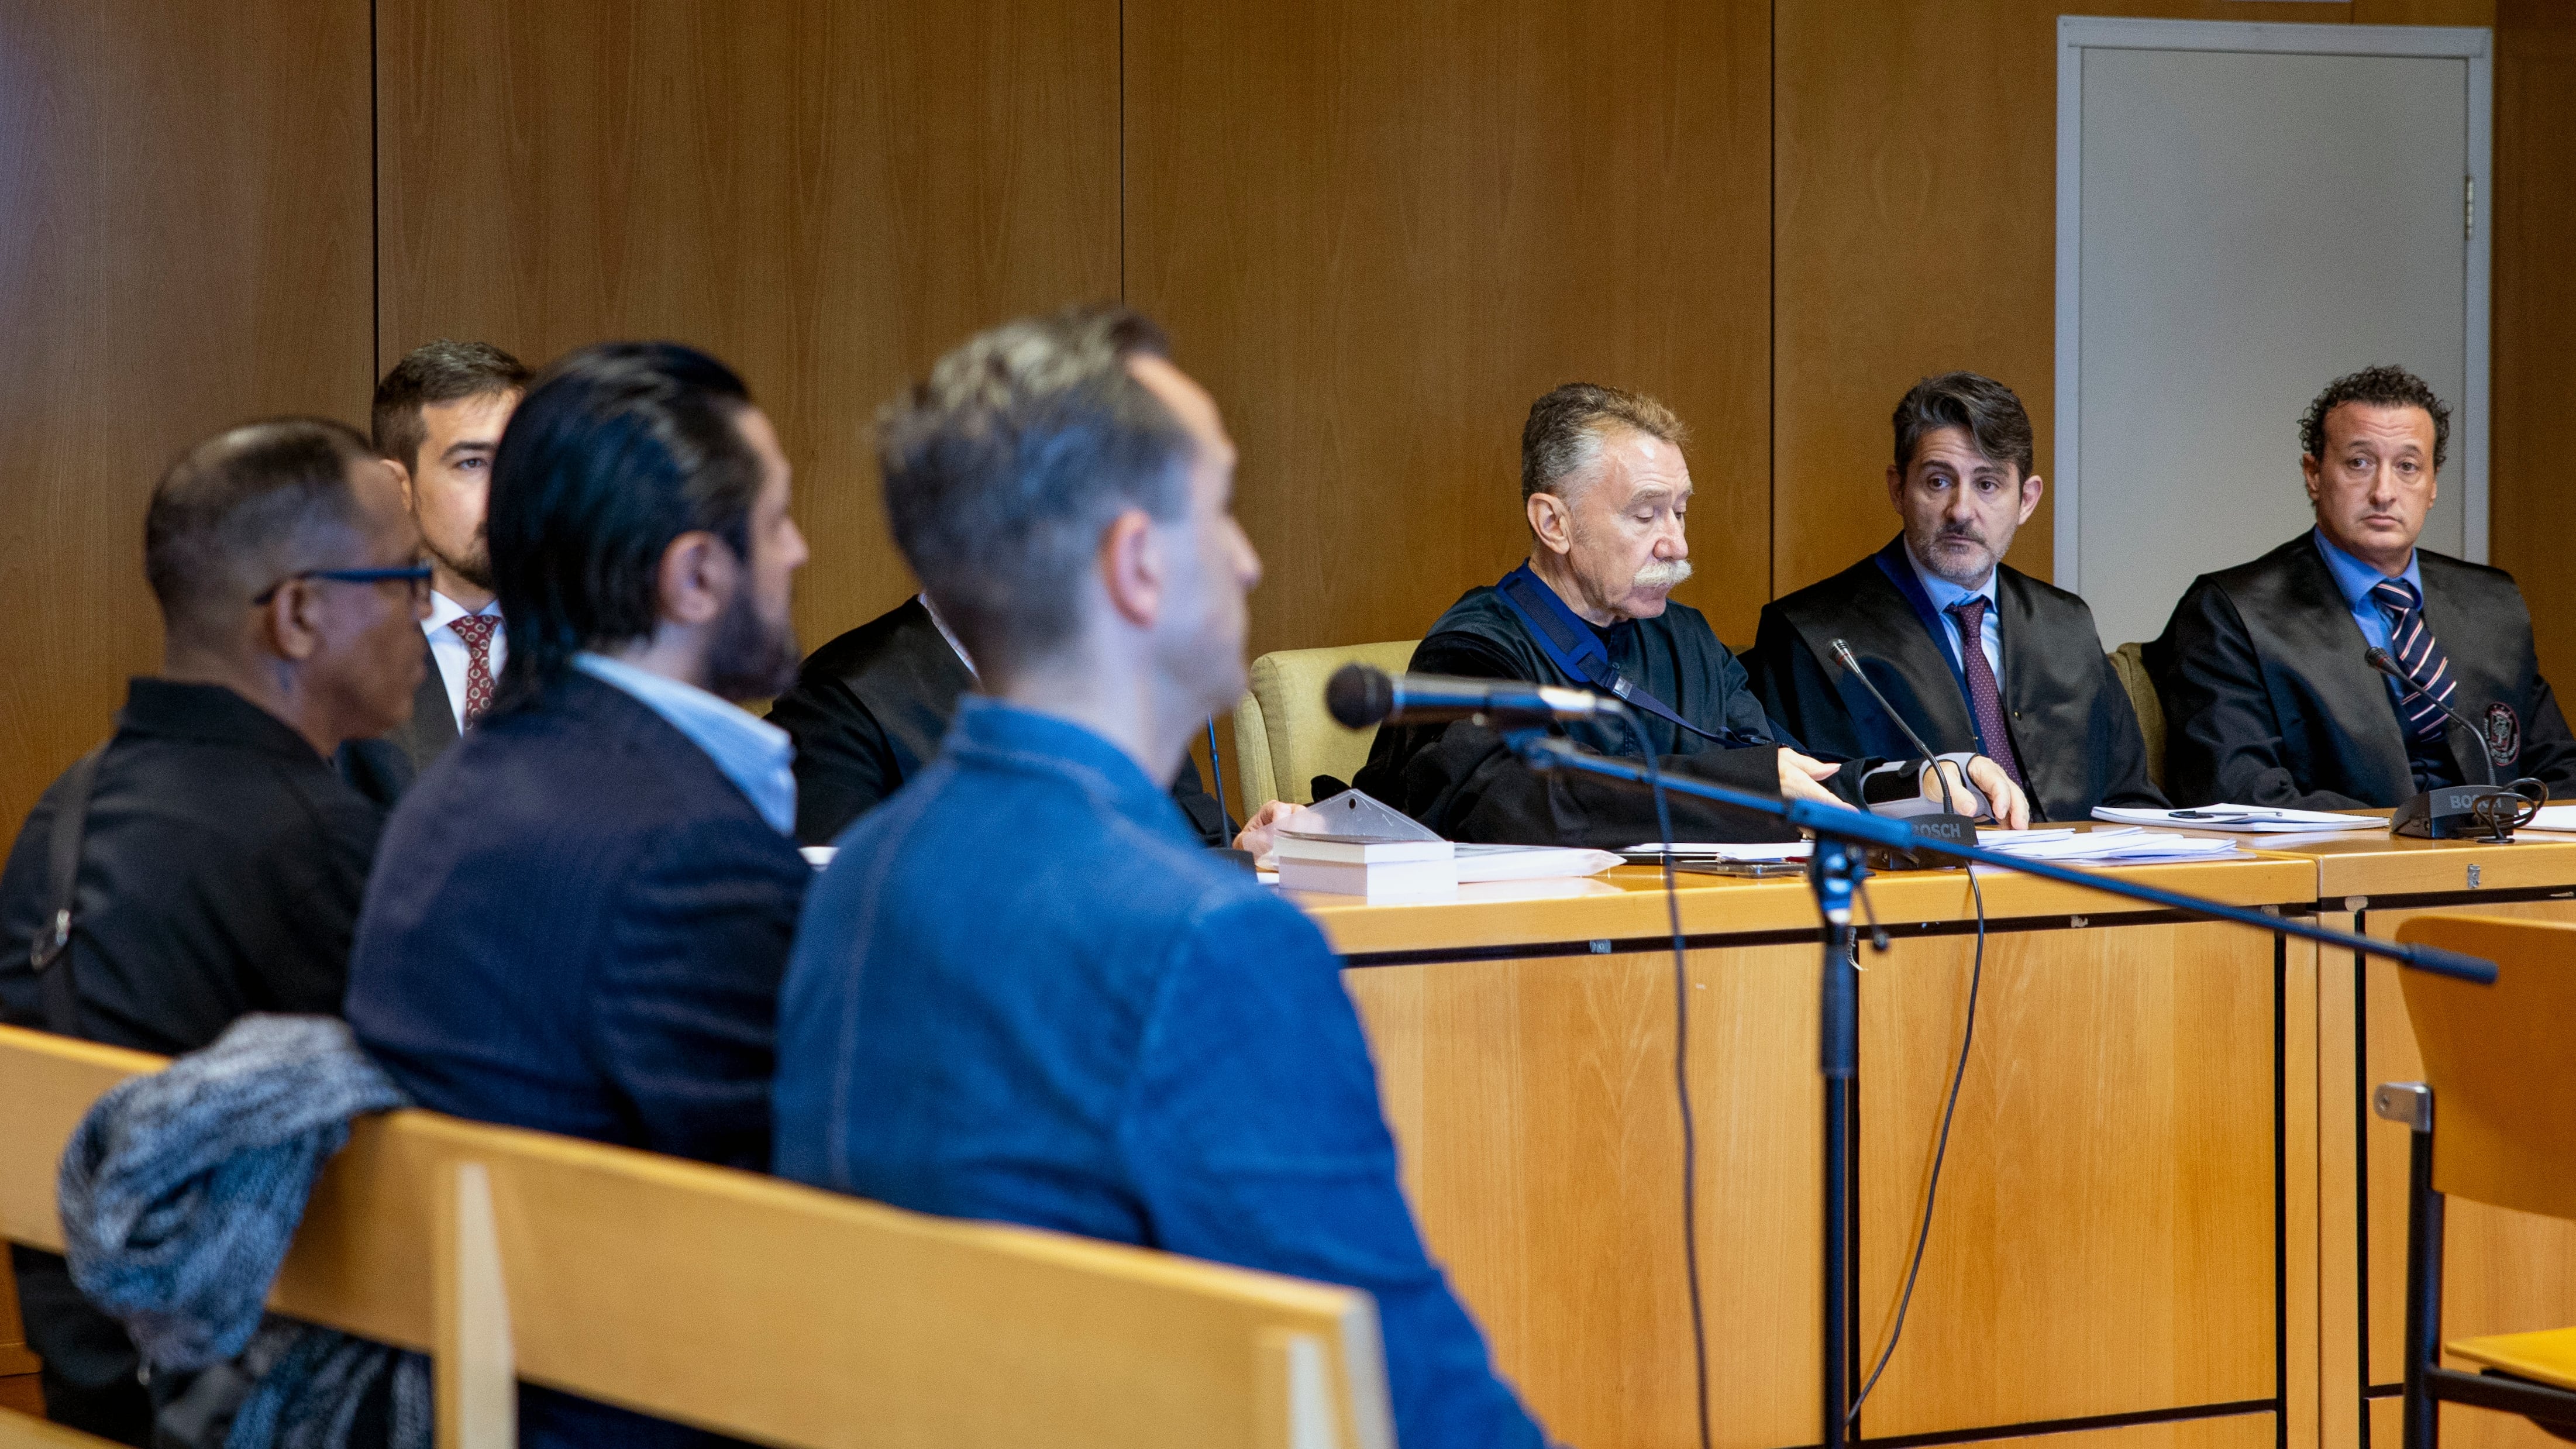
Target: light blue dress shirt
{"type": "Point", "coordinates": [753, 753]}
{"type": "Point", "coordinates": [1943, 594]}
{"type": "Point", "coordinates": [2356, 579]}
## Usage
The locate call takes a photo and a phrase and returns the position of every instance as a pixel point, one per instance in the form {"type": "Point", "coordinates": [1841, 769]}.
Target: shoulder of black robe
{"type": "Point", "coordinates": [2496, 662]}
{"type": "Point", "coordinates": [2267, 700]}
{"type": "Point", "coordinates": [1461, 780]}
{"type": "Point", "coordinates": [2072, 724]}
{"type": "Point", "coordinates": [871, 707]}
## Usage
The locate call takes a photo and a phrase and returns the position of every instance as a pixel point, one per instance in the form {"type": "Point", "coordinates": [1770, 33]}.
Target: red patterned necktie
{"type": "Point", "coordinates": [1985, 700]}
{"type": "Point", "coordinates": [476, 630]}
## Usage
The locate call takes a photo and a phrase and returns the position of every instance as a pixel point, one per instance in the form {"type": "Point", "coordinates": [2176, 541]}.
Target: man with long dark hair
{"type": "Point", "coordinates": [584, 912]}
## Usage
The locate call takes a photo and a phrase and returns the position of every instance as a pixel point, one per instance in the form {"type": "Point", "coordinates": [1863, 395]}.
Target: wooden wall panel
{"type": "Point", "coordinates": [827, 195]}
{"type": "Point", "coordinates": [1915, 216]}
{"type": "Point", "coordinates": [1377, 231]}
{"type": "Point", "coordinates": [2535, 312]}
{"type": "Point", "coordinates": [183, 245]}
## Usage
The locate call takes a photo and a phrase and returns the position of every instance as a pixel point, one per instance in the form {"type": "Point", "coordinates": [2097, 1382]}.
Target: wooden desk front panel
{"type": "Point", "coordinates": [2106, 1237]}
{"type": "Point", "coordinates": [2504, 1271]}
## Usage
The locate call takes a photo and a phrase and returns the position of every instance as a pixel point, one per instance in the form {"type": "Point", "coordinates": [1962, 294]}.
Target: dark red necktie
{"type": "Point", "coordinates": [476, 630]}
{"type": "Point", "coordinates": [1985, 700]}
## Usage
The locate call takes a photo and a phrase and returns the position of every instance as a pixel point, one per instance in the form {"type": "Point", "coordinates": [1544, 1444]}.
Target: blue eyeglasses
{"type": "Point", "coordinates": [416, 575]}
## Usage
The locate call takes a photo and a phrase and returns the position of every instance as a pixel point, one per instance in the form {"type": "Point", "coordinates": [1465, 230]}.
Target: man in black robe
{"type": "Point", "coordinates": [869, 709]}
{"type": "Point", "coordinates": [2262, 667]}
{"type": "Point", "coordinates": [1605, 487]}
{"type": "Point", "coordinates": [2039, 696]}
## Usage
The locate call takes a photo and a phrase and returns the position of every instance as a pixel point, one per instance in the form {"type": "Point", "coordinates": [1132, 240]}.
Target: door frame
{"type": "Point", "coordinates": [2077, 34]}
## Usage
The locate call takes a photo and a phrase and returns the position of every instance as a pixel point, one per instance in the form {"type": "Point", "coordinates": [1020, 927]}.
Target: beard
{"type": "Point", "coordinates": [1935, 550]}
{"type": "Point", "coordinates": [750, 657]}
{"type": "Point", "coordinates": [474, 566]}
{"type": "Point", "coordinates": [1665, 575]}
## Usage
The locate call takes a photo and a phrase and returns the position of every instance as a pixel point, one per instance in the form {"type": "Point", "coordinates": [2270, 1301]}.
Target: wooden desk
{"type": "Point", "coordinates": [2506, 1270]}
{"type": "Point", "coordinates": [2125, 1249]}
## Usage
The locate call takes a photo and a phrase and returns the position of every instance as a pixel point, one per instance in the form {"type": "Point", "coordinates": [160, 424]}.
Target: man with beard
{"type": "Point", "coordinates": [1606, 489]}
{"type": "Point", "coordinates": [437, 418]}
{"type": "Point", "coordinates": [586, 908]}
{"type": "Point", "coordinates": [2036, 693]}
{"type": "Point", "coordinates": [2263, 667]}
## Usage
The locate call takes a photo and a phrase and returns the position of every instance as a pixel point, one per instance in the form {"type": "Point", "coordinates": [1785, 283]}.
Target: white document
{"type": "Point", "coordinates": [2122, 844]}
{"type": "Point", "coordinates": [2250, 819]}
{"type": "Point", "coordinates": [1530, 862]}
{"type": "Point", "coordinates": [1768, 850]}
{"type": "Point", "coordinates": [2554, 817]}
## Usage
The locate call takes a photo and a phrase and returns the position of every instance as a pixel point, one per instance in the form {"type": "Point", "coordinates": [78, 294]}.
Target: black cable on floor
{"type": "Point", "coordinates": [1932, 1193]}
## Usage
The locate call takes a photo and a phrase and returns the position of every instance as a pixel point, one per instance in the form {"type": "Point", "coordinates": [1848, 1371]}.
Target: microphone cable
{"type": "Point", "coordinates": [1681, 1071]}
{"type": "Point", "coordinates": [1940, 1151]}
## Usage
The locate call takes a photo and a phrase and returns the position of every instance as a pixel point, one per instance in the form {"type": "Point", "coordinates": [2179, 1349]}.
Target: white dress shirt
{"type": "Point", "coordinates": [452, 655]}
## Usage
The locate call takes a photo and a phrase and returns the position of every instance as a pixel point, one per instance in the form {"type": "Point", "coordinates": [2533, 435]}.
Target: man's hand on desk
{"type": "Point", "coordinates": [1264, 824]}
{"type": "Point", "coordinates": [2010, 806]}
{"type": "Point", "coordinates": [1800, 777]}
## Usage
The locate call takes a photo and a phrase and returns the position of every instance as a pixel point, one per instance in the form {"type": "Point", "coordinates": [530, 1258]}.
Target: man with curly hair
{"type": "Point", "coordinates": [2262, 668]}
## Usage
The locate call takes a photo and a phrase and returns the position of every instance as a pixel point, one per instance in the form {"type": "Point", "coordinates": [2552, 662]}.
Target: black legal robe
{"type": "Point", "coordinates": [1461, 780]}
{"type": "Point", "coordinates": [2072, 725]}
{"type": "Point", "coordinates": [2268, 702]}
{"type": "Point", "coordinates": [869, 709]}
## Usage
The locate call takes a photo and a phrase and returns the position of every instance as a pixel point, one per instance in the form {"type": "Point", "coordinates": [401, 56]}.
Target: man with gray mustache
{"type": "Point", "coordinates": [2035, 692]}
{"type": "Point", "coordinates": [1606, 491]}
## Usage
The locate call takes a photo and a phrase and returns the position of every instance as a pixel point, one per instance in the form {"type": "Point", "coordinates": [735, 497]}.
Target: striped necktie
{"type": "Point", "coordinates": [2420, 655]}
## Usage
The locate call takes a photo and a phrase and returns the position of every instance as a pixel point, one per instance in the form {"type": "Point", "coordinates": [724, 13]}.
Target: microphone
{"type": "Point", "coordinates": [2453, 811]}
{"type": "Point", "coordinates": [1359, 696]}
{"type": "Point", "coordinates": [1930, 756]}
{"type": "Point", "coordinates": [2386, 663]}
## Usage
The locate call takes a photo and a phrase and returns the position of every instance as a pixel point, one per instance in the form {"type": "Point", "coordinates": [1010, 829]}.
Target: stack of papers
{"type": "Point", "coordinates": [1374, 870]}
{"type": "Point", "coordinates": [1478, 863]}
{"type": "Point", "coordinates": [2554, 817]}
{"type": "Point", "coordinates": [1684, 852]}
{"type": "Point", "coordinates": [2249, 819]}
{"type": "Point", "coordinates": [2123, 845]}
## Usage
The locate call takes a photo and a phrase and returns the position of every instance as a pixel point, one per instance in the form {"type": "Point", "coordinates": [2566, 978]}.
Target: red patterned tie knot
{"type": "Point", "coordinates": [477, 631]}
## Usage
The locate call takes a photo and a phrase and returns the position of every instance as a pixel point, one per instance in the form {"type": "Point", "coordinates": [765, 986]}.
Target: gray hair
{"type": "Point", "coordinates": [1004, 465]}
{"type": "Point", "coordinates": [244, 509]}
{"type": "Point", "coordinates": [1563, 435]}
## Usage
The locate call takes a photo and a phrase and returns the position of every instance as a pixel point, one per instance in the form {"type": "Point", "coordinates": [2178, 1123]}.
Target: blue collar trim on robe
{"type": "Point", "coordinates": [1893, 562]}
{"type": "Point", "coordinates": [1569, 643]}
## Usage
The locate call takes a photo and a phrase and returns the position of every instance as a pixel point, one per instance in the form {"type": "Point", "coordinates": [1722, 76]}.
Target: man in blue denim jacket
{"type": "Point", "coordinates": [1023, 991]}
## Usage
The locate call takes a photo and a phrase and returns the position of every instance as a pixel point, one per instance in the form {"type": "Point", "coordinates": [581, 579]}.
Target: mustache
{"type": "Point", "coordinates": [1663, 575]}
{"type": "Point", "coordinates": [1967, 534]}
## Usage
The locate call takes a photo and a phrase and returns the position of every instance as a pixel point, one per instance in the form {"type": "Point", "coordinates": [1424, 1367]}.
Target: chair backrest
{"type": "Point", "coordinates": [751, 1306]}
{"type": "Point", "coordinates": [2129, 661]}
{"type": "Point", "coordinates": [2501, 1060]}
{"type": "Point", "coordinates": [1282, 737]}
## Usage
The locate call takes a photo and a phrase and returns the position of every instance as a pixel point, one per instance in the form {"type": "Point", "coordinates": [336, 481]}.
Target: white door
{"type": "Point", "coordinates": [2256, 209]}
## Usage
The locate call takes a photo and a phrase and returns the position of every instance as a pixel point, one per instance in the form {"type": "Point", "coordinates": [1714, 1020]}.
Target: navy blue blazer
{"type": "Point", "coordinates": [578, 924]}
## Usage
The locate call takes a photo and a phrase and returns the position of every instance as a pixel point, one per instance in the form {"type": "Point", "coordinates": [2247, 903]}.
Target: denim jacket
{"type": "Point", "coordinates": [1024, 992]}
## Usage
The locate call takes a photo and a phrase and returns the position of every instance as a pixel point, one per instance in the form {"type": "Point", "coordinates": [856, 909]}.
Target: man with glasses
{"type": "Point", "coordinates": [217, 861]}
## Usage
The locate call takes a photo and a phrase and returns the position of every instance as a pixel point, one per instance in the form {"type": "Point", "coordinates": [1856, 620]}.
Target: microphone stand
{"type": "Point", "coordinates": [1833, 873]}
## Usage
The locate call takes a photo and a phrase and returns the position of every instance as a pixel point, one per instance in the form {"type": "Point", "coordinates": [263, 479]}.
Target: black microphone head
{"type": "Point", "coordinates": [2380, 660]}
{"type": "Point", "coordinates": [1358, 696]}
{"type": "Point", "coordinates": [1842, 651]}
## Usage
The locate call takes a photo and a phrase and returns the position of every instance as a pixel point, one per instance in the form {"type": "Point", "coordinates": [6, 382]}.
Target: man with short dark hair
{"type": "Point", "coordinates": [1022, 991]}
{"type": "Point", "coordinates": [2035, 692]}
{"type": "Point", "coordinates": [589, 901]}
{"type": "Point", "coordinates": [2268, 695]}
{"type": "Point", "coordinates": [438, 418]}
{"type": "Point", "coordinates": [221, 860]}
{"type": "Point", "coordinates": [1605, 489]}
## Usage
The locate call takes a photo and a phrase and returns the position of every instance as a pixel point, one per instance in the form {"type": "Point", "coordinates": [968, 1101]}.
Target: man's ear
{"type": "Point", "coordinates": [2309, 467]}
{"type": "Point", "coordinates": [1896, 490]}
{"type": "Point", "coordinates": [1132, 568]}
{"type": "Point", "coordinates": [1551, 522]}
{"type": "Point", "coordinates": [696, 579]}
{"type": "Point", "coordinates": [2033, 488]}
{"type": "Point", "coordinates": [402, 475]}
{"type": "Point", "coordinates": [290, 621]}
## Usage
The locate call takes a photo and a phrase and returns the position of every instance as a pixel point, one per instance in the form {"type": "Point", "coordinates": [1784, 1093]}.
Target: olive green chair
{"type": "Point", "coordinates": [2129, 661]}
{"type": "Point", "coordinates": [1282, 737]}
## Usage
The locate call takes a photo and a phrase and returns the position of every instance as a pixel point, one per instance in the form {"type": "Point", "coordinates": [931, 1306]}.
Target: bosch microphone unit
{"type": "Point", "coordinates": [1946, 823]}
{"type": "Point", "coordinates": [2489, 811]}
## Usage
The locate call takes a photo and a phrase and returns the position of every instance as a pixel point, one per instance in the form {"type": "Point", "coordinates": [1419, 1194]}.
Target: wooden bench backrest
{"type": "Point", "coordinates": [2501, 1060]}
{"type": "Point", "coordinates": [753, 1306]}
